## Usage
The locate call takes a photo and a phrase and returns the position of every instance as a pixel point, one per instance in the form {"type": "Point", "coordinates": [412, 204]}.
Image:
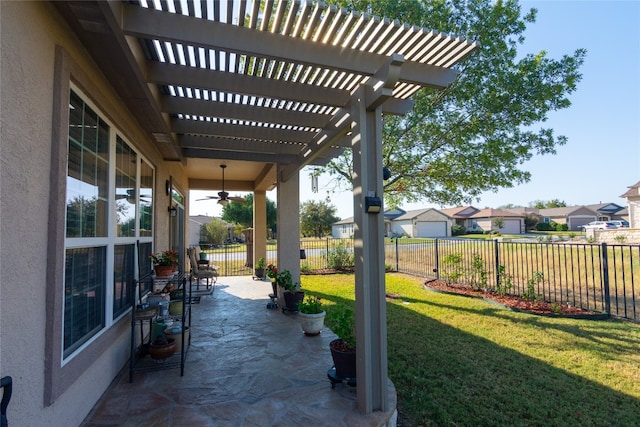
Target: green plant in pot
{"type": "Point", "coordinates": [341, 320]}
{"type": "Point", "coordinates": [272, 273]}
{"type": "Point", "coordinates": [164, 262]}
{"type": "Point", "coordinates": [311, 315]}
{"type": "Point", "coordinates": [292, 293]}
{"type": "Point", "coordinates": [259, 268]}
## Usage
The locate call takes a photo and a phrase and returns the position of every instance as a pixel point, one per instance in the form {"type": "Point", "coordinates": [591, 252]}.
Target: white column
{"type": "Point", "coordinates": [289, 227]}
{"type": "Point", "coordinates": [371, 326]}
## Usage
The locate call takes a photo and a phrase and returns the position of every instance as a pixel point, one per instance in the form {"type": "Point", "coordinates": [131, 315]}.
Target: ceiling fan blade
{"type": "Point", "coordinates": [237, 199]}
{"type": "Point", "coordinates": [208, 198]}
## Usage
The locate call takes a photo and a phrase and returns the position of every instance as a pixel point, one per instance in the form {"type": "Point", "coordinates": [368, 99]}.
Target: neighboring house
{"type": "Point", "coordinates": [633, 201]}
{"type": "Point", "coordinates": [606, 211]}
{"type": "Point", "coordinates": [428, 222]}
{"type": "Point", "coordinates": [485, 218]}
{"type": "Point", "coordinates": [461, 216]}
{"type": "Point", "coordinates": [574, 216]}
{"type": "Point", "coordinates": [622, 214]}
{"type": "Point", "coordinates": [195, 223]}
{"type": "Point", "coordinates": [343, 229]}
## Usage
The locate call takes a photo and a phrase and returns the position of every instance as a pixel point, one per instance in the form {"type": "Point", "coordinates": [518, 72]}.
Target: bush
{"type": "Point", "coordinates": [562, 227]}
{"type": "Point", "coordinates": [457, 230]}
{"type": "Point", "coordinates": [546, 226]}
{"type": "Point", "coordinates": [340, 258]}
{"type": "Point", "coordinates": [452, 268]}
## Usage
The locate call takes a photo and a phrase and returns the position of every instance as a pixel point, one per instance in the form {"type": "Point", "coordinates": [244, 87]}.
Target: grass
{"type": "Point", "coordinates": [466, 362]}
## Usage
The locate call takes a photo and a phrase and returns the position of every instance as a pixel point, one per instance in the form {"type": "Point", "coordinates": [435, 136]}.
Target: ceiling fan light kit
{"type": "Point", "coordinates": [223, 196]}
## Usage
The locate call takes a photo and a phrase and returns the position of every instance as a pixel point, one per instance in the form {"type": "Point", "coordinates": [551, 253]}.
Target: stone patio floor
{"type": "Point", "coordinates": [247, 366]}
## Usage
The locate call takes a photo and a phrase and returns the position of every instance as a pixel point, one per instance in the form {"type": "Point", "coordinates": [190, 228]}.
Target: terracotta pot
{"type": "Point", "coordinates": [163, 270]}
{"type": "Point", "coordinates": [162, 351]}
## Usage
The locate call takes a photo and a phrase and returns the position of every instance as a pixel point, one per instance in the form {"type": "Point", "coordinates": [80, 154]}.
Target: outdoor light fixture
{"type": "Point", "coordinates": [372, 204]}
{"type": "Point", "coordinates": [173, 211]}
{"type": "Point", "coordinates": [386, 173]}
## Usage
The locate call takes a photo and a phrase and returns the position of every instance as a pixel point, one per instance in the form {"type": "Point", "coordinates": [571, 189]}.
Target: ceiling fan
{"type": "Point", "coordinates": [223, 196]}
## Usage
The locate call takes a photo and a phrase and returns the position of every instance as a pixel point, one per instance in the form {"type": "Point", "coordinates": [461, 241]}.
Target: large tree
{"type": "Point", "coordinates": [242, 213]}
{"type": "Point", "coordinates": [316, 218]}
{"type": "Point", "coordinates": [555, 203]}
{"type": "Point", "coordinates": [215, 232]}
{"type": "Point", "coordinates": [475, 135]}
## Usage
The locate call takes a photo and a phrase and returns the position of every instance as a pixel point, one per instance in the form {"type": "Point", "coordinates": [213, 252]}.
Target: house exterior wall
{"type": "Point", "coordinates": [400, 227]}
{"type": "Point", "coordinates": [634, 212]}
{"type": "Point", "coordinates": [342, 231]}
{"type": "Point", "coordinates": [47, 391]}
{"type": "Point", "coordinates": [486, 224]}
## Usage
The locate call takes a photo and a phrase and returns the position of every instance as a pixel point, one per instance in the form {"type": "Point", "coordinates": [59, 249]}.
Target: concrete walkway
{"type": "Point", "coordinates": [247, 366]}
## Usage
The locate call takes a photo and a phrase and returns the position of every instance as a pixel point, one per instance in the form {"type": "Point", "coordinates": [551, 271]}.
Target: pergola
{"type": "Point", "coordinates": [268, 89]}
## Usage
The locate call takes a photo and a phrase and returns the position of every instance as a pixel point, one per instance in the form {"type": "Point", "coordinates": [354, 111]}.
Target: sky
{"type": "Point", "coordinates": [602, 156]}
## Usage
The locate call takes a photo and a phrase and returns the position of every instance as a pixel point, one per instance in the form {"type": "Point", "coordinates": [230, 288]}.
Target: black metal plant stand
{"type": "Point", "coordinates": [333, 376]}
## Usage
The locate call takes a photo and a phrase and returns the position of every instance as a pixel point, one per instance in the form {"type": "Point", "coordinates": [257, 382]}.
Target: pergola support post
{"type": "Point", "coordinates": [289, 227]}
{"type": "Point", "coordinates": [259, 225]}
{"type": "Point", "coordinates": [371, 326]}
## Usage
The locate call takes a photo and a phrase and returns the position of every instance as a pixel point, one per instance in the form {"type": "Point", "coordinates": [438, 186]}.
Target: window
{"type": "Point", "coordinates": [88, 163]}
{"type": "Point", "coordinates": [125, 194]}
{"type": "Point", "coordinates": [123, 278]}
{"type": "Point", "coordinates": [146, 200]}
{"type": "Point", "coordinates": [109, 210]}
{"type": "Point", "coordinates": [84, 289]}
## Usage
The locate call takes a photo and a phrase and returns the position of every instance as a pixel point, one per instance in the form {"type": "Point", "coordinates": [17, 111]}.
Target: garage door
{"type": "Point", "coordinates": [511, 226]}
{"type": "Point", "coordinates": [431, 229]}
{"type": "Point", "coordinates": [577, 223]}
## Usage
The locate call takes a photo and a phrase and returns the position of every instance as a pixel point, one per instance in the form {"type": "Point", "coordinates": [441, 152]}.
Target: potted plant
{"type": "Point", "coordinates": [259, 269]}
{"type": "Point", "coordinates": [343, 349]}
{"type": "Point", "coordinates": [311, 315]}
{"type": "Point", "coordinates": [165, 262]}
{"type": "Point", "coordinates": [272, 274]}
{"type": "Point", "coordinates": [292, 295]}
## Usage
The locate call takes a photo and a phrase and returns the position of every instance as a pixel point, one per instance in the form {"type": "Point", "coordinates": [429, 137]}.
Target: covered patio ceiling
{"type": "Point", "coordinates": [253, 85]}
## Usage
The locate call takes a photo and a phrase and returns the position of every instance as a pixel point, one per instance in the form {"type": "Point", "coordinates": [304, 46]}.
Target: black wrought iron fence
{"type": "Point", "coordinates": [598, 277]}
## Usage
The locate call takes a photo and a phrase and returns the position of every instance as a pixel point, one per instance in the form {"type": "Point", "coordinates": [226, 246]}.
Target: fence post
{"type": "Point", "coordinates": [605, 277]}
{"type": "Point", "coordinates": [496, 252]}
{"type": "Point", "coordinates": [397, 257]}
{"type": "Point", "coordinates": [437, 257]}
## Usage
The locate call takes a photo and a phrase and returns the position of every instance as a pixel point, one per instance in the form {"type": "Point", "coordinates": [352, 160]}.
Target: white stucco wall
{"type": "Point", "coordinates": [30, 32]}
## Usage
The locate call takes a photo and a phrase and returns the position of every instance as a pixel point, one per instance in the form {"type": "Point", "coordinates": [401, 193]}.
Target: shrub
{"type": "Point", "coordinates": [620, 238]}
{"type": "Point", "coordinates": [562, 227]}
{"type": "Point", "coordinates": [546, 226]}
{"type": "Point", "coordinates": [340, 258]}
{"type": "Point", "coordinates": [478, 277]}
{"type": "Point", "coordinates": [505, 282]}
{"type": "Point", "coordinates": [453, 268]}
{"type": "Point", "coordinates": [457, 230]}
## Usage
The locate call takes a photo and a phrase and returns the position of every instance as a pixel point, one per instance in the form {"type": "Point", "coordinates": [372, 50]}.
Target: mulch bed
{"type": "Point", "coordinates": [516, 303]}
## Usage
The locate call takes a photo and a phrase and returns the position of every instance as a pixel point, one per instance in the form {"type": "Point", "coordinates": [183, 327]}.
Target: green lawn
{"type": "Point", "coordinates": [458, 361]}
